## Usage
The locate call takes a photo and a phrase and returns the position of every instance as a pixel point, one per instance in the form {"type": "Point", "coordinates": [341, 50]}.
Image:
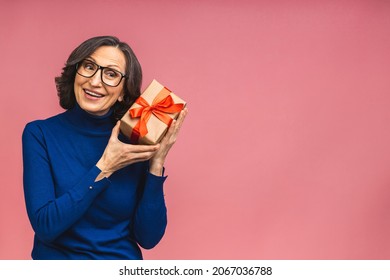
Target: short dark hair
{"type": "Point", "coordinates": [132, 86]}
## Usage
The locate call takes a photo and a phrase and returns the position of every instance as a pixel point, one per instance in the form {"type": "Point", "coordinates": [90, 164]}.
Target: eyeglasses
{"type": "Point", "coordinates": [111, 77]}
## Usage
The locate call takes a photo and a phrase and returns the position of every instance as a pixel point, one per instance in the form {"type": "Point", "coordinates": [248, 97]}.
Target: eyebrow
{"type": "Point", "coordinates": [109, 66]}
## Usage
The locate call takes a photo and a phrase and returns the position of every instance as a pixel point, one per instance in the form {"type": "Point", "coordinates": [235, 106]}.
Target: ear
{"type": "Point", "coordinates": [120, 98]}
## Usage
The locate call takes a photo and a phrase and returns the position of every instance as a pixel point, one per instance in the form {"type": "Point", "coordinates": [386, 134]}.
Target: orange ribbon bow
{"type": "Point", "coordinates": [162, 105]}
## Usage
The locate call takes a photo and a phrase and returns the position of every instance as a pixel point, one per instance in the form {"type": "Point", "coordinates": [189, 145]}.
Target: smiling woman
{"type": "Point", "coordinates": [89, 193]}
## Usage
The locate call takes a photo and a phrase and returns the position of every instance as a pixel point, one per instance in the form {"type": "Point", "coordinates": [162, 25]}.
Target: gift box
{"type": "Point", "coordinates": [149, 118]}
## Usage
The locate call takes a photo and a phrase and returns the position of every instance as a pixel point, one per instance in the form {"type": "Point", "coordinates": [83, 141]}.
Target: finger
{"type": "Point", "coordinates": [116, 129]}
{"type": "Point", "coordinates": [175, 125]}
{"type": "Point", "coordinates": [179, 121]}
{"type": "Point", "coordinates": [143, 148]}
{"type": "Point", "coordinates": [144, 156]}
{"type": "Point", "coordinates": [181, 118]}
{"type": "Point", "coordinates": [182, 115]}
{"type": "Point", "coordinates": [171, 129]}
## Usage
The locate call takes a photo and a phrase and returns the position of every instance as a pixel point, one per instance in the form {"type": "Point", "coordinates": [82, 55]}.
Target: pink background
{"type": "Point", "coordinates": [285, 153]}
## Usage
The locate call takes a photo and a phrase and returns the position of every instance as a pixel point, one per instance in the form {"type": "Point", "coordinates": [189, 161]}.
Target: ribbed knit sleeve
{"type": "Point", "coordinates": [52, 215]}
{"type": "Point", "coordinates": [151, 215]}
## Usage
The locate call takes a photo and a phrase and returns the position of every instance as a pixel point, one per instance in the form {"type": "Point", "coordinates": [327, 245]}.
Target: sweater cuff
{"type": "Point", "coordinates": [154, 186]}
{"type": "Point", "coordinates": [88, 187]}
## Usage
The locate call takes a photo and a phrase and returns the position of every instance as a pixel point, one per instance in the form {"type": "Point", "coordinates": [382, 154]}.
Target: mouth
{"type": "Point", "coordinates": [93, 93]}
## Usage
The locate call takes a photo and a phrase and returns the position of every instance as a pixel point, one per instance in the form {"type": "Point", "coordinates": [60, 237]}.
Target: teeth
{"type": "Point", "coordinates": [93, 93]}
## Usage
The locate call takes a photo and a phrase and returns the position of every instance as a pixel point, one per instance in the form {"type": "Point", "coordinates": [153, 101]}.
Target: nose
{"type": "Point", "coordinates": [96, 80]}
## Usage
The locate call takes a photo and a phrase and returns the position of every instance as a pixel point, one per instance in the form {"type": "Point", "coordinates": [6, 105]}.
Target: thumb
{"type": "Point", "coordinates": [116, 129]}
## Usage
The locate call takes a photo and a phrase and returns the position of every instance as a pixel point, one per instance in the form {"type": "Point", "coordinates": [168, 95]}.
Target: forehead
{"type": "Point", "coordinates": [109, 56]}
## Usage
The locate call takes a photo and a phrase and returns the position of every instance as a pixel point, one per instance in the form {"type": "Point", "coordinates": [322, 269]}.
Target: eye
{"type": "Point", "coordinates": [89, 66]}
{"type": "Point", "coordinates": [111, 74]}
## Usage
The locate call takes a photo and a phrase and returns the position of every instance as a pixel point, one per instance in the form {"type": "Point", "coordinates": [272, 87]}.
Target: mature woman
{"type": "Point", "coordinates": [89, 193]}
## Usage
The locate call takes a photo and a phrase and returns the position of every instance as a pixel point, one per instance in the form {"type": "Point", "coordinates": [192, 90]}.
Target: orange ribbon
{"type": "Point", "coordinates": [162, 105]}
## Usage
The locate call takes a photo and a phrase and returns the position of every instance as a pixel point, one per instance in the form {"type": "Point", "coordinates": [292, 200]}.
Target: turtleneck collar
{"type": "Point", "coordinates": [88, 122]}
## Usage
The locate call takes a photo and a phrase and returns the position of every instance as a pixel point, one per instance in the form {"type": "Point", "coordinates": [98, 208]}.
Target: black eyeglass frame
{"type": "Point", "coordinates": [101, 72]}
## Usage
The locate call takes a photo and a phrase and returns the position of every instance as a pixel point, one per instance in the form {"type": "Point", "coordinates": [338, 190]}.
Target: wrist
{"type": "Point", "coordinates": [156, 168]}
{"type": "Point", "coordinates": [104, 172]}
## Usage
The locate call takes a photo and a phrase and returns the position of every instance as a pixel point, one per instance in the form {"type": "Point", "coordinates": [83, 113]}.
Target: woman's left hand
{"type": "Point", "coordinates": [157, 161]}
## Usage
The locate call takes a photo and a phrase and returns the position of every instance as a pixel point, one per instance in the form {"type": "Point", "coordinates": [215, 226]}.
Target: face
{"type": "Point", "coordinates": [92, 94]}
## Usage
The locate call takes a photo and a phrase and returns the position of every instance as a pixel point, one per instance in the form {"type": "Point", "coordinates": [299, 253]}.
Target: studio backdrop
{"type": "Point", "coordinates": [285, 153]}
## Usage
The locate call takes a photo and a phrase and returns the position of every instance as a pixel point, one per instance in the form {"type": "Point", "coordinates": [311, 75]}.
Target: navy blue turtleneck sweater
{"type": "Point", "coordinates": [73, 216]}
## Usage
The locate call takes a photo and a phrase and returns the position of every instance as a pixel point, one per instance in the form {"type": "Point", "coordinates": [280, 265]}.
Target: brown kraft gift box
{"type": "Point", "coordinates": [149, 118]}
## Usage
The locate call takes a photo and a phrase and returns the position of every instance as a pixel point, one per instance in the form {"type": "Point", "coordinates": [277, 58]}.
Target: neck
{"type": "Point", "coordinates": [84, 120]}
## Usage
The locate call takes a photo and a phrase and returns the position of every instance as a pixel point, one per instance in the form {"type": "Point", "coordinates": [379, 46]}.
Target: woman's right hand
{"type": "Point", "coordinates": [118, 154]}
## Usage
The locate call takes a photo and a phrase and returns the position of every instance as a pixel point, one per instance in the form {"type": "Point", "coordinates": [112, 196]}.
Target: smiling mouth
{"type": "Point", "coordinates": [93, 94]}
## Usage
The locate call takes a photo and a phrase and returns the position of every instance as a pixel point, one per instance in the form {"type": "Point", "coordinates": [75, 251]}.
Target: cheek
{"type": "Point", "coordinates": [118, 93]}
{"type": "Point", "coordinates": [77, 82]}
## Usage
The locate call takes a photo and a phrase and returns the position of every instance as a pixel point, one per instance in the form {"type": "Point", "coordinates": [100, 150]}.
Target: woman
{"type": "Point", "coordinates": [89, 193]}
